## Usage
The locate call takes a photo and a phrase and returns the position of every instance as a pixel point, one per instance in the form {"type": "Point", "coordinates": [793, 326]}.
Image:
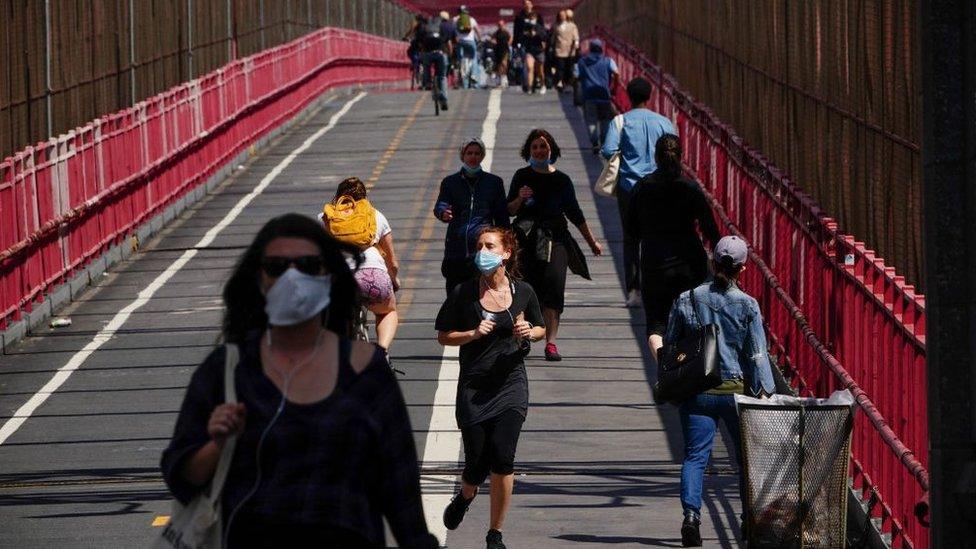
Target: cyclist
{"type": "Point", "coordinates": [437, 44]}
{"type": "Point", "coordinates": [468, 36]}
{"type": "Point", "coordinates": [414, 51]}
{"type": "Point", "coordinates": [377, 274]}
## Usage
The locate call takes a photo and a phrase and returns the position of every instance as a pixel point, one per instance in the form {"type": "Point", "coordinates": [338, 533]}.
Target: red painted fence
{"type": "Point", "coordinates": [65, 201]}
{"type": "Point", "coordinates": [837, 317]}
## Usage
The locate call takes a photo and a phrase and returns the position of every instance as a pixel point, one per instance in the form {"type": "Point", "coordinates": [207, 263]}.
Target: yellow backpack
{"type": "Point", "coordinates": [350, 221]}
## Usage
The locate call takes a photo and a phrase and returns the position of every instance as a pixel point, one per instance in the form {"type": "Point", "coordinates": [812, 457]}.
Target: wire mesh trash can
{"type": "Point", "coordinates": [795, 453]}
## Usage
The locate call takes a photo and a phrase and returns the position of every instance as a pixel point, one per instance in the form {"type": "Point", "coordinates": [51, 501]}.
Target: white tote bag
{"type": "Point", "coordinates": [199, 524]}
{"type": "Point", "coordinates": [606, 184]}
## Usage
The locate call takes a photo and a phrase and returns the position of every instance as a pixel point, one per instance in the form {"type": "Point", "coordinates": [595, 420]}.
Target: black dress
{"type": "Point", "coordinates": [547, 247]}
{"type": "Point", "coordinates": [492, 379]}
{"type": "Point", "coordinates": [665, 213]}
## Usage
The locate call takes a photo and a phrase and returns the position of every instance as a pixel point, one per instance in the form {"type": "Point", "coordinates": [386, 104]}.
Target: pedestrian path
{"type": "Point", "coordinates": [598, 464]}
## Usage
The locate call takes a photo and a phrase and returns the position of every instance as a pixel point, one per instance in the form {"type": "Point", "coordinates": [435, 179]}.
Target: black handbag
{"type": "Point", "coordinates": [689, 366]}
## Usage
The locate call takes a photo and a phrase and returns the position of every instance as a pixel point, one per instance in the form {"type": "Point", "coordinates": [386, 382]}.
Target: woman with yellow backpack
{"type": "Point", "coordinates": [350, 218]}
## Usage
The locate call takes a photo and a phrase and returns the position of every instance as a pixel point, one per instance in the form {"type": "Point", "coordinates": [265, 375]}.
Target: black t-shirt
{"type": "Point", "coordinates": [553, 195]}
{"type": "Point", "coordinates": [502, 39]}
{"type": "Point", "coordinates": [493, 378]}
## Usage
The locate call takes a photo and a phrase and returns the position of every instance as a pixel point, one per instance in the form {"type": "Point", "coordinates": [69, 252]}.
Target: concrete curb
{"type": "Point", "coordinates": [70, 290]}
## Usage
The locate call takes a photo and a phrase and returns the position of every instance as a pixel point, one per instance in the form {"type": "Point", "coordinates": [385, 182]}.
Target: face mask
{"type": "Point", "coordinates": [539, 163]}
{"type": "Point", "coordinates": [296, 297]}
{"type": "Point", "coordinates": [471, 171]}
{"type": "Point", "coordinates": [487, 262]}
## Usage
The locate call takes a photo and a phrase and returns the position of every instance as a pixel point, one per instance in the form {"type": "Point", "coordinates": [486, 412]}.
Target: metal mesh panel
{"type": "Point", "coordinates": [796, 462]}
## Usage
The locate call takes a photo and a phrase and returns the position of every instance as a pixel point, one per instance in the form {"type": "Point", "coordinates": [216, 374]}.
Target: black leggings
{"type": "Point", "coordinates": [489, 446]}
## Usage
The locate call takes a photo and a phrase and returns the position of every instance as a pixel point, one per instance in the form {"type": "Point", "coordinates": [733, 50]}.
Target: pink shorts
{"type": "Point", "coordinates": [374, 285]}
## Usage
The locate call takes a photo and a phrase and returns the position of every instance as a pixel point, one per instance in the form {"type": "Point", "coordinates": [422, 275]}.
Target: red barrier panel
{"type": "Point", "coordinates": [836, 315]}
{"type": "Point", "coordinates": [65, 201]}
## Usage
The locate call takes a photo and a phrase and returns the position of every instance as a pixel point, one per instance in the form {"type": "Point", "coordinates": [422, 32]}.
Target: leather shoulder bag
{"type": "Point", "coordinates": [689, 366]}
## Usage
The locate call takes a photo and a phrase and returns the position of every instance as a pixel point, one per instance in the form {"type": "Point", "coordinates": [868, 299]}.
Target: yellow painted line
{"type": "Point", "coordinates": [161, 520]}
{"type": "Point", "coordinates": [395, 143]}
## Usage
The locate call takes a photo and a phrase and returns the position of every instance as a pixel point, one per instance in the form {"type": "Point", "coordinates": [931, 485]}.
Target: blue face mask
{"type": "Point", "coordinates": [487, 262]}
{"type": "Point", "coordinates": [471, 171]}
{"type": "Point", "coordinates": [540, 164]}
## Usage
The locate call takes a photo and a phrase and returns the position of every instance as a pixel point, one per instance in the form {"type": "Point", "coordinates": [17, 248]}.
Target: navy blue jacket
{"type": "Point", "coordinates": [475, 203]}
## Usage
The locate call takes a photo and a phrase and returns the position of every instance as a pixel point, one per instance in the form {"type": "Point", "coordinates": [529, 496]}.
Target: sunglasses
{"type": "Point", "coordinates": [308, 264]}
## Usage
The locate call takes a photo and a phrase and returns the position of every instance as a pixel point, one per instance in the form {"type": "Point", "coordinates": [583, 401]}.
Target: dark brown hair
{"type": "Point", "coordinates": [351, 186]}
{"type": "Point", "coordinates": [511, 244]}
{"type": "Point", "coordinates": [667, 154]}
{"type": "Point", "coordinates": [726, 273]}
{"type": "Point", "coordinates": [554, 152]}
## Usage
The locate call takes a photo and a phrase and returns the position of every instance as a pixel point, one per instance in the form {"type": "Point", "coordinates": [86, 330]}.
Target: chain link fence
{"type": "Point", "coordinates": [828, 89]}
{"type": "Point", "coordinates": [66, 62]}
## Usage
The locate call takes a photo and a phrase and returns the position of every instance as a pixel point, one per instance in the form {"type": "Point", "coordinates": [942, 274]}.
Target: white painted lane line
{"type": "Point", "coordinates": [105, 334]}
{"type": "Point", "coordinates": [443, 446]}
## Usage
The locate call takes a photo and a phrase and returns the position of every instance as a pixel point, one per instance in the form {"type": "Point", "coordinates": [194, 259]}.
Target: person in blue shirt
{"type": "Point", "coordinates": [635, 139]}
{"type": "Point", "coordinates": [597, 73]}
{"type": "Point", "coordinates": [743, 360]}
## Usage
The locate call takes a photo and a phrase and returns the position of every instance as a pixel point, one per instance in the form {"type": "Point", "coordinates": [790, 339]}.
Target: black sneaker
{"type": "Point", "coordinates": [454, 512]}
{"type": "Point", "coordinates": [444, 104]}
{"type": "Point", "coordinates": [690, 536]}
{"type": "Point", "coordinates": [494, 540]}
{"type": "Point", "coordinates": [552, 353]}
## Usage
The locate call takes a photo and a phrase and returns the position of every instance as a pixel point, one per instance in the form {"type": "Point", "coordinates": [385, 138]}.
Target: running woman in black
{"type": "Point", "coordinates": [492, 318]}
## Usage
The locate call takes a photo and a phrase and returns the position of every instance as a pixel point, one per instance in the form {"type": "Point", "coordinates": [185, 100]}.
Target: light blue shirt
{"type": "Point", "coordinates": [642, 129]}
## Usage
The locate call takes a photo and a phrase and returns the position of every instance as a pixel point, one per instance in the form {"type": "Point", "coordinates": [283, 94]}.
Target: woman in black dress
{"type": "Point", "coordinates": [491, 318]}
{"type": "Point", "coordinates": [542, 198]}
{"type": "Point", "coordinates": [322, 447]}
{"type": "Point", "coordinates": [666, 214]}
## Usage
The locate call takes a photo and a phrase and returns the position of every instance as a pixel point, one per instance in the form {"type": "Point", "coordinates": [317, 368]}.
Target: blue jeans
{"type": "Point", "coordinates": [598, 115]}
{"type": "Point", "coordinates": [467, 54]}
{"type": "Point", "coordinates": [699, 423]}
{"type": "Point", "coordinates": [439, 60]}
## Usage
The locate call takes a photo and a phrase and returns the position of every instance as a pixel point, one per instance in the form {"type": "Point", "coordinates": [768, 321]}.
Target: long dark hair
{"type": "Point", "coordinates": [554, 151]}
{"type": "Point", "coordinates": [667, 155]}
{"type": "Point", "coordinates": [244, 302]}
{"type": "Point", "coordinates": [726, 273]}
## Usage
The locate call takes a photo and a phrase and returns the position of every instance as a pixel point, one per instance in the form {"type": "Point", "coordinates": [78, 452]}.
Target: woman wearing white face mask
{"type": "Point", "coordinates": [324, 448]}
{"type": "Point", "coordinates": [543, 198]}
{"type": "Point", "coordinates": [490, 318]}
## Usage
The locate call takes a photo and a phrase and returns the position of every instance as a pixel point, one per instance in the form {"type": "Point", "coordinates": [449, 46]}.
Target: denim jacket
{"type": "Point", "coordinates": [474, 204]}
{"type": "Point", "coordinates": [742, 350]}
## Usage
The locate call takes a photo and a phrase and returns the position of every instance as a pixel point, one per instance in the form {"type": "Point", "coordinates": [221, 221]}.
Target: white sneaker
{"type": "Point", "coordinates": [504, 81]}
{"type": "Point", "coordinates": [634, 299]}
{"type": "Point", "coordinates": [542, 90]}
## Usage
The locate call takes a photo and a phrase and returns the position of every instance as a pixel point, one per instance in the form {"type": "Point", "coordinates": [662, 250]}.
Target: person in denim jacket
{"type": "Point", "coordinates": [743, 360]}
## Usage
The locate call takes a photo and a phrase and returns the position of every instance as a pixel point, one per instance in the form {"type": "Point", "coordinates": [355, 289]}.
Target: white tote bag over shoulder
{"type": "Point", "coordinates": [606, 184]}
{"type": "Point", "coordinates": [198, 525]}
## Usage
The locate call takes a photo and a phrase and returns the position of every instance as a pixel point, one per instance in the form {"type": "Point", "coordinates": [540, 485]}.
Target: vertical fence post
{"type": "Point", "coordinates": [189, 39]}
{"type": "Point", "coordinates": [132, 51]}
{"type": "Point", "coordinates": [230, 31]}
{"type": "Point", "coordinates": [342, 13]}
{"type": "Point", "coordinates": [47, 65]}
{"type": "Point", "coordinates": [261, 20]}
{"type": "Point", "coordinates": [308, 11]}
{"type": "Point", "coordinates": [287, 23]}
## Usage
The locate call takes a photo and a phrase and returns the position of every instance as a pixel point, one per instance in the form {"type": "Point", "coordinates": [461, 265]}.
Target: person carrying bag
{"type": "Point", "coordinates": [199, 524]}
{"type": "Point", "coordinates": [606, 184]}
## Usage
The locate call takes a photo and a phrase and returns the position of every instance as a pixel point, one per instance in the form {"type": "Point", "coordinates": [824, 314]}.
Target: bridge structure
{"type": "Point", "coordinates": [129, 225]}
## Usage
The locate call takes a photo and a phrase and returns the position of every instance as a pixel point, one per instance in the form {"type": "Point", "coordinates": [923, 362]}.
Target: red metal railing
{"type": "Point", "coordinates": [837, 316]}
{"type": "Point", "coordinates": [64, 201]}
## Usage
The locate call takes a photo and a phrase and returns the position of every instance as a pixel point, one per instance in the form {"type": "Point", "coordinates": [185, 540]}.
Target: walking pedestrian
{"type": "Point", "coordinates": [636, 138]}
{"type": "Point", "coordinates": [377, 275]}
{"type": "Point", "coordinates": [665, 215]}
{"type": "Point", "coordinates": [542, 198]}
{"type": "Point", "coordinates": [502, 49]}
{"type": "Point", "coordinates": [565, 38]}
{"type": "Point", "coordinates": [492, 318]}
{"type": "Point", "coordinates": [535, 42]}
{"type": "Point", "coordinates": [323, 447]}
{"type": "Point", "coordinates": [597, 73]}
{"type": "Point", "coordinates": [525, 18]}
{"type": "Point", "coordinates": [744, 363]}
{"type": "Point", "coordinates": [469, 200]}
